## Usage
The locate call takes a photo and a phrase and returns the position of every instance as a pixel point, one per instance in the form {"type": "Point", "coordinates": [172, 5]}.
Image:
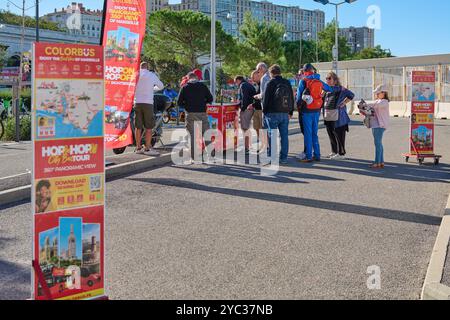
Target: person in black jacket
{"type": "Point", "coordinates": [278, 108]}
{"type": "Point", "coordinates": [246, 94]}
{"type": "Point", "coordinates": [194, 97]}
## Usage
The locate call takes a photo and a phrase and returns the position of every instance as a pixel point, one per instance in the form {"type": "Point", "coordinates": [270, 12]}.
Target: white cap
{"type": "Point", "coordinates": [380, 88]}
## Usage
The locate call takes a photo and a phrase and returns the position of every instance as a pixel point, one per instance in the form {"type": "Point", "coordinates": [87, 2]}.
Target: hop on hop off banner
{"type": "Point", "coordinates": [123, 35]}
{"type": "Point", "coordinates": [422, 112]}
{"type": "Point", "coordinates": [68, 171]}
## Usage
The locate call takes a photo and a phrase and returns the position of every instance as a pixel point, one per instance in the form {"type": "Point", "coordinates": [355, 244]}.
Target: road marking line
{"type": "Point", "coordinates": [15, 176]}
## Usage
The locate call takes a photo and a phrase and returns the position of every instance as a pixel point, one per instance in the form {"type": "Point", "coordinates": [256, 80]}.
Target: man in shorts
{"type": "Point", "coordinates": [246, 94]}
{"type": "Point", "coordinates": [144, 113]}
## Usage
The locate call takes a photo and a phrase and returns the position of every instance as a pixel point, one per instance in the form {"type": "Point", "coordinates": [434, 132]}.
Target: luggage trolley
{"type": "Point", "coordinates": [421, 157]}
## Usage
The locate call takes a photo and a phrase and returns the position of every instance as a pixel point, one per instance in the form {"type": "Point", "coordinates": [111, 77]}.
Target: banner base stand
{"type": "Point", "coordinates": [40, 275]}
{"type": "Point", "coordinates": [420, 156]}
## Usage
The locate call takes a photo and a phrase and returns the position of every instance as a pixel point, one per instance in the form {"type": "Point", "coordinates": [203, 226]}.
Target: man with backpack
{"type": "Point", "coordinates": [310, 100]}
{"type": "Point", "coordinates": [278, 107]}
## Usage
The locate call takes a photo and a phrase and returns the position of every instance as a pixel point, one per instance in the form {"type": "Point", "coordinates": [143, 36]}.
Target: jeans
{"type": "Point", "coordinates": [280, 121]}
{"type": "Point", "coordinates": [378, 140]}
{"type": "Point", "coordinates": [311, 135]}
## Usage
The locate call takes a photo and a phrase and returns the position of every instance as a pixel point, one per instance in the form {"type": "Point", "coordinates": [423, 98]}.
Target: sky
{"type": "Point", "coordinates": [408, 27]}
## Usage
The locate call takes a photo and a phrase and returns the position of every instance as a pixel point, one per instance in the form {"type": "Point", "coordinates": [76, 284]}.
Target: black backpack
{"type": "Point", "coordinates": [283, 97]}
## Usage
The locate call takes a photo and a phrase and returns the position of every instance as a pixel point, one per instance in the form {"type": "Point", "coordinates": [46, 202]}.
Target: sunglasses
{"type": "Point", "coordinates": [329, 78]}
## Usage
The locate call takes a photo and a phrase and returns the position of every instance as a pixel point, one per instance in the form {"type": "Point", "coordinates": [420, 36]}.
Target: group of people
{"type": "Point", "coordinates": [267, 101]}
{"type": "Point", "coordinates": [271, 105]}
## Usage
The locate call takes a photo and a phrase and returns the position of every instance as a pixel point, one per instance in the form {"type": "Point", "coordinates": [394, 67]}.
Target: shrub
{"type": "Point", "coordinates": [25, 129]}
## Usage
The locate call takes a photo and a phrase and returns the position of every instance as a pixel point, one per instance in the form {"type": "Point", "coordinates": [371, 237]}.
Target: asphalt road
{"type": "Point", "coordinates": [226, 232]}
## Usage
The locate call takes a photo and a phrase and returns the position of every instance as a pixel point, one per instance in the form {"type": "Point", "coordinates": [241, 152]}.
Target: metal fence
{"type": "Point", "coordinates": [363, 76]}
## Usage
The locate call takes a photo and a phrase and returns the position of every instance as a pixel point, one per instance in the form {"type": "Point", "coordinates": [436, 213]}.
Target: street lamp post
{"type": "Point", "coordinates": [213, 71]}
{"type": "Point", "coordinates": [37, 20]}
{"type": "Point", "coordinates": [213, 50]}
{"type": "Point", "coordinates": [336, 45]}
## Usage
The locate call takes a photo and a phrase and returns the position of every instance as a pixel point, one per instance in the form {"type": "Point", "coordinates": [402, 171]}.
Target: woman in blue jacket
{"type": "Point", "coordinates": [338, 121]}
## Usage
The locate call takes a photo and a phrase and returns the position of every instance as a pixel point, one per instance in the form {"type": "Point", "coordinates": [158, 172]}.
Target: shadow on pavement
{"type": "Point", "coordinates": [15, 278]}
{"type": "Point", "coordinates": [251, 172]}
{"type": "Point", "coordinates": [396, 171]}
{"type": "Point", "coordinates": [319, 204]}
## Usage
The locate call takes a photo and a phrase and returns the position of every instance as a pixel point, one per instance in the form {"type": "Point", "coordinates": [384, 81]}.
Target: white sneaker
{"type": "Point", "coordinates": [140, 151]}
{"type": "Point", "coordinates": [301, 156]}
{"type": "Point", "coordinates": [152, 153]}
{"type": "Point", "coordinates": [338, 157]}
{"type": "Point", "coordinates": [332, 155]}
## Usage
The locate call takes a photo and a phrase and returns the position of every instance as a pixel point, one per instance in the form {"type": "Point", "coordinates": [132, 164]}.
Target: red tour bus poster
{"type": "Point", "coordinates": [123, 35]}
{"type": "Point", "coordinates": [422, 112]}
{"type": "Point", "coordinates": [68, 181]}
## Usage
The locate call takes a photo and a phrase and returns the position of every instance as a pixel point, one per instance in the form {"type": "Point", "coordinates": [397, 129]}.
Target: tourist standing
{"type": "Point", "coordinates": [246, 99]}
{"type": "Point", "coordinates": [278, 107]}
{"type": "Point", "coordinates": [194, 97]}
{"type": "Point", "coordinates": [336, 118]}
{"type": "Point", "coordinates": [309, 97]}
{"type": "Point", "coordinates": [144, 113]}
{"type": "Point", "coordinates": [379, 123]}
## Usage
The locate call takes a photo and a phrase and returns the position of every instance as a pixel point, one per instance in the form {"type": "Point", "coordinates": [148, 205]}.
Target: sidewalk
{"type": "Point", "coordinates": [16, 160]}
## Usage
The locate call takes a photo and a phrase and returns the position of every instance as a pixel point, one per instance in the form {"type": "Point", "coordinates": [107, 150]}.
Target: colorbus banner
{"type": "Point", "coordinates": [422, 112]}
{"type": "Point", "coordinates": [123, 35]}
{"type": "Point", "coordinates": [68, 183]}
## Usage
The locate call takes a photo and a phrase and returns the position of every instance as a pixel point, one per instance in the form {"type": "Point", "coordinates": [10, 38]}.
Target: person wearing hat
{"type": "Point", "coordinates": [379, 123]}
{"type": "Point", "coordinates": [309, 101]}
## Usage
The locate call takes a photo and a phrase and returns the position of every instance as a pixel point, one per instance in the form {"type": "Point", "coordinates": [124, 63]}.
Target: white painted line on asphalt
{"type": "Point", "coordinates": [23, 193]}
{"type": "Point", "coordinates": [432, 287]}
{"type": "Point", "coordinates": [16, 176]}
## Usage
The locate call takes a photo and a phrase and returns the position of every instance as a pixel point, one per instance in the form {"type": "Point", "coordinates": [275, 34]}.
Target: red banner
{"type": "Point", "coordinates": [122, 39]}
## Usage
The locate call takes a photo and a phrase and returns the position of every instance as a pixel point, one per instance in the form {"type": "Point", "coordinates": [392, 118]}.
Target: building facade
{"type": "Point", "coordinates": [72, 245]}
{"type": "Point", "coordinates": [78, 20]}
{"type": "Point", "coordinates": [155, 5]}
{"type": "Point", "coordinates": [358, 38]}
{"type": "Point", "coordinates": [10, 37]}
{"type": "Point", "coordinates": [297, 22]}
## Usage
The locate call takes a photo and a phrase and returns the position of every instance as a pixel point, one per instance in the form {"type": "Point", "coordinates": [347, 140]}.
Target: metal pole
{"type": "Point", "coordinates": [317, 46]}
{"type": "Point", "coordinates": [301, 49]}
{"type": "Point", "coordinates": [17, 106]}
{"type": "Point", "coordinates": [337, 38]}
{"type": "Point", "coordinates": [213, 50]}
{"type": "Point", "coordinates": [37, 20]}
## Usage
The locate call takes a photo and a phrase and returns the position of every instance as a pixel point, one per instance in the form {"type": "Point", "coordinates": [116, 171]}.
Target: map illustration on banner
{"type": "Point", "coordinates": [122, 39]}
{"type": "Point", "coordinates": [68, 182]}
{"type": "Point", "coordinates": [69, 109]}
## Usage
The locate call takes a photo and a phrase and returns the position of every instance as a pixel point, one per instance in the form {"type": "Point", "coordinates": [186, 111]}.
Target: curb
{"type": "Point", "coordinates": [433, 289]}
{"type": "Point", "coordinates": [24, 193]}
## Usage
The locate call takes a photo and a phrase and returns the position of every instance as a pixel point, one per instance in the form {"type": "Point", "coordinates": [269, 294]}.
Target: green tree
{"type": "Point", "coordinates": [169, 71]}
{"type": "Point", "coordinates": [327, 39]}
{"type": "Point", "coordinates": [261, 41]}
{"type": "Point", "coordinates": [292, 54]}
{"type": "Point", "coordinates": [184, 37]}
{"type": "Point", "coordinates": [3, 57]}
{"type": "Point", "coordinates": [373, 53]}
{"type": "Point", "coordinates": [14, 19]}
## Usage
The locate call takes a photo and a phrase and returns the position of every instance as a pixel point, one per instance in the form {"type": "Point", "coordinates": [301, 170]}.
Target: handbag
{"type": "Point", "coordinates": [331, 115]}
